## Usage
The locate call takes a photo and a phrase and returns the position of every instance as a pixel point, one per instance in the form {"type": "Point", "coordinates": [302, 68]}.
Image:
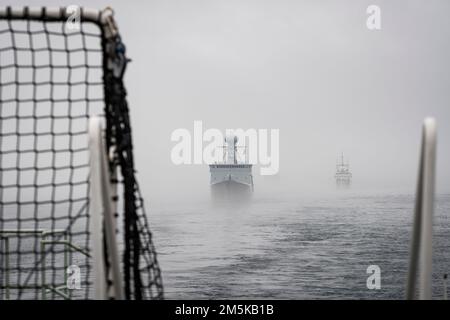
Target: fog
{"type": "Point", "coordinates": [311, 69]}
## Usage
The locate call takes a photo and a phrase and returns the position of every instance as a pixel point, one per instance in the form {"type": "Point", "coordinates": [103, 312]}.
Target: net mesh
{"type": "Point", "coordinates": [52, 79]}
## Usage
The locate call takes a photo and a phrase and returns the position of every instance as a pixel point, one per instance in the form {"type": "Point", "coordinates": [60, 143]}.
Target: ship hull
{"type": "Point", "coordinates": [231, 182]}
{"type": "Point", "coordinates": [231, 191]}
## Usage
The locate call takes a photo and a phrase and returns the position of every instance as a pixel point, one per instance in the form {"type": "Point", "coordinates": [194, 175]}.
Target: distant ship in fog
{"type": "Point", "coordinates": [231, 179]}
{"type": "Point", "coordinates": [343, 175]}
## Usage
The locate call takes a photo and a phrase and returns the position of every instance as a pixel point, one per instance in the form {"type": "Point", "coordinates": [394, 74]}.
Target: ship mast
{"type": "Point", "coordinates": [230, 154]}
{"type": "Point", "coordinates": [230, 142]}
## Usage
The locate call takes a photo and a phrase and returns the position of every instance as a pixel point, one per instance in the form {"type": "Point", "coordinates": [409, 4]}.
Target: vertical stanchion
{"type": "Point", "coordinates": [102, 222]}
{"type": "Point", "coordinates": [66, 264]}
{"type": "Point", "coordinates": [43, 268]}
{"type": "Point", "coordinates": [7, 267]}
{"type": "Point", "coordinates": [96, 210]}
{"type": "Point", "coordinates": [421, 252]}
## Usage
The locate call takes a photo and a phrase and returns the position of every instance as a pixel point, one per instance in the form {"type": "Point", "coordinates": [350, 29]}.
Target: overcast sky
{"type": "Point", "coordinates": [311, 69]}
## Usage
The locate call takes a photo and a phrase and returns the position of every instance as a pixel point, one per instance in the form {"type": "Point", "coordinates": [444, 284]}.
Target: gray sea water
{"type": "Point", "coordinates": [316, 248]}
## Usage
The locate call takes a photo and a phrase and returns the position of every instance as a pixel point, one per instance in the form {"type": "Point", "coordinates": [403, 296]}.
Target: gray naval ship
{"type": "Point", "coordinates": [343, 175]}
{"type": "Point", "coordinates": [231, 179]}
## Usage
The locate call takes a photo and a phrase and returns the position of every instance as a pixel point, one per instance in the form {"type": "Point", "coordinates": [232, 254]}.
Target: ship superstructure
{"type": "Point", "coordinates": [231, 177]}
{"type": "Point", "coordinates": [343, 175]}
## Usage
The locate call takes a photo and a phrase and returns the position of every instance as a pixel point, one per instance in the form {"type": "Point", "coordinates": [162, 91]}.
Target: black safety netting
{"type": "Point", "coordinates": [52, 79]}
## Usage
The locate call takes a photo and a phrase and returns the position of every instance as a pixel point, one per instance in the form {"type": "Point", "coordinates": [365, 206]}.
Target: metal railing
{"type": "Point", "coordinates": [62, 290]}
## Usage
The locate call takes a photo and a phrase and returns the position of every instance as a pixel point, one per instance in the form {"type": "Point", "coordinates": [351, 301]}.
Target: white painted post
{"type": "Point", "coordinates": [421, 253]}
{"type": "Point", "coordinates": [96, 208]}
{"type": "Point", "coordinates": [102, 215]}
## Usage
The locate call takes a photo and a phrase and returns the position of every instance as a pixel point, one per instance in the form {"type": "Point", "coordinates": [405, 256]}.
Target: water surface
{"type": "Point", "coordinates": [293, 249]}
